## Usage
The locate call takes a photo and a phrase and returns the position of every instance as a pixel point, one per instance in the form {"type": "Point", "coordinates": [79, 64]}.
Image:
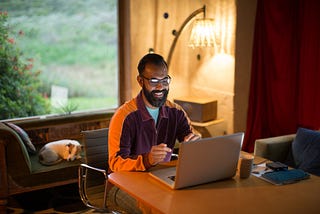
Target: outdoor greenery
{"type": "Point", "coordinates": [73, 44]}
{"type": "Point", "coordinates": [19, 82]}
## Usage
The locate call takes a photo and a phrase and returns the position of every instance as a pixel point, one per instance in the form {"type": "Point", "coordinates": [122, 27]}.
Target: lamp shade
{"type": "Point", "coordinates": [202, 33]}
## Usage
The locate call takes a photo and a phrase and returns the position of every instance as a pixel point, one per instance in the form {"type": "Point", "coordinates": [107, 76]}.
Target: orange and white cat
{"type": "Point", "coordinates": [56, 151]}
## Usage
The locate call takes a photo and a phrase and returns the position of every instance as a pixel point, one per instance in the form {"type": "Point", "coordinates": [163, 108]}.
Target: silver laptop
{"type": "Point", "coordinates": [202, 161]}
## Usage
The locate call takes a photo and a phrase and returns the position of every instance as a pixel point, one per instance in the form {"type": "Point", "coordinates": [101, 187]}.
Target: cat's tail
{"type": "Point", "coordinates": [43, 162]}
{"type": "Point", "coordinates": [48, 163]}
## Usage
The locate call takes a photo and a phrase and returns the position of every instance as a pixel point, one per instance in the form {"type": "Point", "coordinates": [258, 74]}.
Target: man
{"type": "Point", "coordinates": [143, 131]}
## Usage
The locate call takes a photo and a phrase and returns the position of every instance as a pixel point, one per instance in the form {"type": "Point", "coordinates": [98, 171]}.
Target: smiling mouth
{"type": "Point", "coordinates": [158, 94]}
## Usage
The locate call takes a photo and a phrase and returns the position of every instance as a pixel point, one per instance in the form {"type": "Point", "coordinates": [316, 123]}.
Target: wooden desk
{"type": "Point", "coordinates": [236, 195]}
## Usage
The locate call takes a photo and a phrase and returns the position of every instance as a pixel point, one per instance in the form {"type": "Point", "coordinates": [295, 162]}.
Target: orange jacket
{"type": "Point", "coordinates": [132, 133]}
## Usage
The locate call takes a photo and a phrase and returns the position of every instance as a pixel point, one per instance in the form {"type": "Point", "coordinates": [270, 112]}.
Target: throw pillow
{"type": "Point", "coordinates": [306, 150]}
{"type": "Point", "coordinates": [24, 136]}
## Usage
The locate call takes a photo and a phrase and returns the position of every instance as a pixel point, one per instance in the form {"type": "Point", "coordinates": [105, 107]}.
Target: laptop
{"type": "Point", "coordinates": [202, 161]}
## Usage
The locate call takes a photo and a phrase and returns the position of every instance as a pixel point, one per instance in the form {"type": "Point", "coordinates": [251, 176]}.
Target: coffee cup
{"type": "Point", "coordinates": [245, 165]}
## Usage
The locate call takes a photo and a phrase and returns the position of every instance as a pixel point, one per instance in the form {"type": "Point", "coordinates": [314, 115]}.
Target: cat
{"type": "Point", "coordinates": [56, 151]}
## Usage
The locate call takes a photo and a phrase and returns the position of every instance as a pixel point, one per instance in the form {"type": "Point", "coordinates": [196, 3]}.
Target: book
{"type": "Point", "coordinates": [285, 176]}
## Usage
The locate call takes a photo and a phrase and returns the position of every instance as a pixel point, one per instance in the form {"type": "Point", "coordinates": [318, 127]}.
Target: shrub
{"type": "Point", "coordinates": [19, 82]}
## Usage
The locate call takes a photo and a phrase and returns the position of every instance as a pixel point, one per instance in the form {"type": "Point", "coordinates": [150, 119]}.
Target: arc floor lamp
{"type": "Point", "coordinates": [202, 33]}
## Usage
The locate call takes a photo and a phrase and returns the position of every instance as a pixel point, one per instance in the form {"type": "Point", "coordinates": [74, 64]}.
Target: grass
{"type": "Point", "coordinates": [73, 44]}
{"type": "Point", "coordinates": [93, 102]}
{"type": "Point", "coordinates": [86, 103]}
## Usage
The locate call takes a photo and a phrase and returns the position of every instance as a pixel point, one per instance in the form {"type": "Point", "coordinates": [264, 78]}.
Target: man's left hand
{"type": "Point", "coordinates": [190, 137]}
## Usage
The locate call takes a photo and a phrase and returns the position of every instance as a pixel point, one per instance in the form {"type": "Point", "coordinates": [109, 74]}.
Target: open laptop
{"type": "Point", "coordinates": [202, 161]}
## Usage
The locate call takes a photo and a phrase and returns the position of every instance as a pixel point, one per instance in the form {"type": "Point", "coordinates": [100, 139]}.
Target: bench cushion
{"type": "Point", "coordinates": [63, 171]}
{"type": "Point", "coordinates": [24, 137]}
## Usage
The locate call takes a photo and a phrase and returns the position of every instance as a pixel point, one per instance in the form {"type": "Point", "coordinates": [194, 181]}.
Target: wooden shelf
{"type": "Point", "coordinates": [206, 124]}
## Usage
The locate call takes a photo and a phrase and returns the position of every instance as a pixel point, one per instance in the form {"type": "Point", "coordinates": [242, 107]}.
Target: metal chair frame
{"type": "Point", "coordinates": [100, 137]}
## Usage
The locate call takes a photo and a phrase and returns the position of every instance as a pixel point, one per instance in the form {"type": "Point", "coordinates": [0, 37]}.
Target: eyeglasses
{"type": "Point", "coordinates": [154, 81]}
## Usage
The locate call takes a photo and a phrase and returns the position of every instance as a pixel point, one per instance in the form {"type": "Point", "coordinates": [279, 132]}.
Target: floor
{"type": "Point", "coordinates": [64, 199]}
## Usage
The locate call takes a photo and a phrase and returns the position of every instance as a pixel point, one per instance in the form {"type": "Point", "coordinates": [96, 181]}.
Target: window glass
{"type": "Point", "coordinates": [72, 44]}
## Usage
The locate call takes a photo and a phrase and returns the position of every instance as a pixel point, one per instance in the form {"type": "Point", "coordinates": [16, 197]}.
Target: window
{"type": "Point", "coordinates": [74, 46]}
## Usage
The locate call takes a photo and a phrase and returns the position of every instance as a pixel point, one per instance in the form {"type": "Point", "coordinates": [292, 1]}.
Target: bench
{"type": "Point", "coordinates": [21, 171]}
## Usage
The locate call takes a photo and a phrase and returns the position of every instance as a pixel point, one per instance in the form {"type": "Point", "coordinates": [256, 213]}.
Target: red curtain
{"type": "Point", "coordinates": [285, 78]}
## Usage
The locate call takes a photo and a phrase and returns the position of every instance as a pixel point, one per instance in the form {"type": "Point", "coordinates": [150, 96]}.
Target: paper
{"type": "Point", "coordinates": [260, 169]}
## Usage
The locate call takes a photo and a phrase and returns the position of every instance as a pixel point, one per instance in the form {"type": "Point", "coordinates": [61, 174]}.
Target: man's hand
{"type": "Point", "coordinates": [158, 153]}
{"type": "Point", "coordinates": [190, 137]}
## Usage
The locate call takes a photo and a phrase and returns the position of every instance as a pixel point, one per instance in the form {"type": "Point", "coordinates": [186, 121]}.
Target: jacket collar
{"type": "Point", "coordinates": [144, 112]}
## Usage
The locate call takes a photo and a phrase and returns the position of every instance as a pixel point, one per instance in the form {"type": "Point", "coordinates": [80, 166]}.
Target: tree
{"type": "Point", "coordinates": [19, 83]}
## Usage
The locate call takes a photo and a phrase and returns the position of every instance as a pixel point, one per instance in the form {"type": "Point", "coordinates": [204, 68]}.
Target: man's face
{"type": "Point", "coordinates": [155, 85]}
{"type": "Point", "coordinates": [155, 97]}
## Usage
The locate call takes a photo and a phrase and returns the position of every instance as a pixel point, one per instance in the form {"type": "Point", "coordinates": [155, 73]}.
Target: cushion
{"type": "Point", "coordinates": [306, 150]}
{"type": "Point", "coordinates": [24, 136]}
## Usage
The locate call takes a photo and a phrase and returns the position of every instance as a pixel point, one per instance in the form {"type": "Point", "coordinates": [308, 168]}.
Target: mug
{"type": "Point", "coordinates": [245, 165]}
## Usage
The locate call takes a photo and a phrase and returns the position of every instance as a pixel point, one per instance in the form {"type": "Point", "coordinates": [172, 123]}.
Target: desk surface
{"type": "Point", "coordinates": [251, 195]}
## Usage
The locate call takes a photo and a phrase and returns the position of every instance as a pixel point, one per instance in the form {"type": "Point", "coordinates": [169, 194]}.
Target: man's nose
{"type": "Point", "coordinates": [159, 86]}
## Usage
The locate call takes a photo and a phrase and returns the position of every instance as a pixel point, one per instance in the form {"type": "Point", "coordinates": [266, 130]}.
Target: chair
{"type": "Point", "coordinates": [274, 148]}
{"type": "Point", "coordinates": [300, 150]}
{"type": "Point", "coordinates": [93, 175]}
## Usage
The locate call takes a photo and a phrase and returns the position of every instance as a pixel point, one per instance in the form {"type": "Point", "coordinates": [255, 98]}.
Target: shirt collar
{"type": "Point", "coordinates": [144, 112]}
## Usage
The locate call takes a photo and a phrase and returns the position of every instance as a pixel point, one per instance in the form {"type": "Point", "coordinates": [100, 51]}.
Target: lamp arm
{"type": "Point", "coordinates": [177, 33]}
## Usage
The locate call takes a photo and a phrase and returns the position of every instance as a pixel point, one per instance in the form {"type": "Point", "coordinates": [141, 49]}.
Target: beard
{"type": "Point", "coordinates": [152, 99]}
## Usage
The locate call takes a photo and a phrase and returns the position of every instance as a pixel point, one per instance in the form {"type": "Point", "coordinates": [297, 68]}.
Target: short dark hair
{"type": "Point", "coordinates": [151, 58]}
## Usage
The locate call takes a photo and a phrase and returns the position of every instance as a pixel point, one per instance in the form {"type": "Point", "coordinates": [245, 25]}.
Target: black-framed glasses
{"type": "Point", "coordinates": [154, 81]}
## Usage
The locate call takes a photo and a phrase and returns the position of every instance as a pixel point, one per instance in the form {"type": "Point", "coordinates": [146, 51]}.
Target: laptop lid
{"type": "Point", "coordinates": [202, 161]}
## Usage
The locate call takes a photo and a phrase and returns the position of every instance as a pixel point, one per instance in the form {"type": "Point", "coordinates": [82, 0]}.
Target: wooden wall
{"type": "Point", "coordinates": [214, 75]}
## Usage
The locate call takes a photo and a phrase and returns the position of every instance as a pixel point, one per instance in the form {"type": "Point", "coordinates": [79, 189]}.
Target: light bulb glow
{"type": "Point", "coordinates": [202, 34]}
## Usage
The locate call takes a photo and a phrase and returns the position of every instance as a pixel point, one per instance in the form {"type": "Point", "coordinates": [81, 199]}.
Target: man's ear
{"type": "Point", "coordinates": [140, 81]}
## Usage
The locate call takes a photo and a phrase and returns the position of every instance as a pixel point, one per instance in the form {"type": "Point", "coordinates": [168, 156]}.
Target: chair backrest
{"type": "Point", "coordinates": [96, 147]}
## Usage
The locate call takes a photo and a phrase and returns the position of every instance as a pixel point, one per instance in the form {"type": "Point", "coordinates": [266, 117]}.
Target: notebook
{"type": "Point", "coordinates": [202, 161]}
{"type": "Point", "coordinates": [285, 176]}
